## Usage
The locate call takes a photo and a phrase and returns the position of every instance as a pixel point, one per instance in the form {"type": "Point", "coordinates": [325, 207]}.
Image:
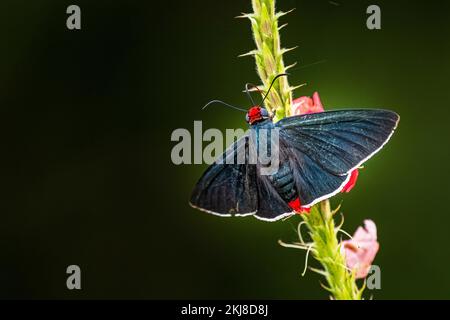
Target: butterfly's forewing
{"type": "Point", "coordinates": [228, 188]}
{"type": "Point", "coordinates": [339, 141]}
{"type": "Point", "coordinates": [323, 148]}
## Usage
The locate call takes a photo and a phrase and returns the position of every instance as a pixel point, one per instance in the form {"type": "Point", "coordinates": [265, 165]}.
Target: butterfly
{"type": "Point", "coordinates": [316, 154]}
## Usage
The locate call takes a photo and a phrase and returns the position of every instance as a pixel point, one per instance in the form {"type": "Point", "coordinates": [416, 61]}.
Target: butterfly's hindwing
{"type": "Point", "coordinates": [271, 205]}
{"type": "Point", "coordinates": [312, 182]}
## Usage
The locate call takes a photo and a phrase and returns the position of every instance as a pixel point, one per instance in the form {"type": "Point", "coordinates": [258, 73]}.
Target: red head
{"type": "Point", "coordinates": [256, 114]}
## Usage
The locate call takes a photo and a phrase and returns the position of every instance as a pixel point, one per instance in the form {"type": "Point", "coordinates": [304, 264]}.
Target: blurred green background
{"type": "Point", "coordinates": [86, 176]}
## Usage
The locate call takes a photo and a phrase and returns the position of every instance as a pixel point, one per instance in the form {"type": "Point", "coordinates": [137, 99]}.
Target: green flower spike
{"type": "Point", "coordinates": [324, 247]}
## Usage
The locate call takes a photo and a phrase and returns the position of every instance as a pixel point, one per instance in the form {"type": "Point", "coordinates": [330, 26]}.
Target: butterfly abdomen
{"type": "Point", "coordinates": [283, 181]}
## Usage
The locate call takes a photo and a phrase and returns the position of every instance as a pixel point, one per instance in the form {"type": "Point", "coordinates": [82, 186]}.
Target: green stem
{"type": "Point", "coordinates": [269, 56]}
{"type": "Point", "coordinates": [269, 63]}
{"type": "Point", "coordinates": [340, 281]}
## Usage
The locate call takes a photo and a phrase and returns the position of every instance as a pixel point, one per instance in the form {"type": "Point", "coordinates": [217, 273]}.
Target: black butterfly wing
{"type": "Point", "coordinates": [237, 188]}
{"type": "Point", "coordinates": [271, 206]}
{"type": "Point", "coordinates": [312, 182]}
{"type": "Point", "coordinates": [228, 188]}
{"type": "Point", "coordinates": [325, 147]}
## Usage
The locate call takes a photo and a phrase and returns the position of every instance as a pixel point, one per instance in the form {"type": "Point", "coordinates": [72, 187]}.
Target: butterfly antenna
{"type": "Point", "coordinates": [247, 85]}
{"type": "Point", "coordinates": [223, 103]}
{"type": "Point", "coordinates": [273, 81]}
{"type": "Point", "coordinates": [248, 92]}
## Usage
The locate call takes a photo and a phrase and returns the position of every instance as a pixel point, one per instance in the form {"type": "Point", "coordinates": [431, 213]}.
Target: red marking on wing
{"type": "Point", "coordinates": [351, 182]}
{"type": "Point", "coordinates": [297, 206]}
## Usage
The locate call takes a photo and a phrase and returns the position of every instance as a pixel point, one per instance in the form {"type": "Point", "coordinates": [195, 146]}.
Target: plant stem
{"type": "Point", "coordinates": [340, 281]}
{"type": "Point", "coordinates": [269, 56]}
{"type": "Point", "coordinates": [269, 63]}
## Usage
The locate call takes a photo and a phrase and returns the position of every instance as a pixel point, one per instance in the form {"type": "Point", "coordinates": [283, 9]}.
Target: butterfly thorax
{"type": "Point", "coordinates": [263, 124]}
{"type": "Point", "coordinates": [256, 114]}
{"type": "Point", "coordinates": [283, 178]}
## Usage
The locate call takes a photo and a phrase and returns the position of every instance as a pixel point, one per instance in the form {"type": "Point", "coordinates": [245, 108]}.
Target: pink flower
{"type": "Point", "coordinates": [305, 105]}
{"type": "Point", "coordinates": [360, 251]}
